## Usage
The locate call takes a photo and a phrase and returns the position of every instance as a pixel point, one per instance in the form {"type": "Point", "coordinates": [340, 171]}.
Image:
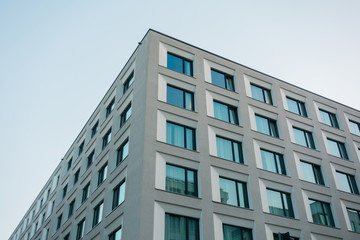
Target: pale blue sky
{"type": "Point", "coordinates": [58, 58]}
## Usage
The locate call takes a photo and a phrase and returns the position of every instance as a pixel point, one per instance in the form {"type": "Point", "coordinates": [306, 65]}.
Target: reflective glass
{"type": "Point", "coordinates": [175, 179]}
{"type": "Point", "coordinates": [354, 127]}
{"type": "Point", "coordinates": [300, 137]}
{"type": "Point", "coordinates": [236, 233]}
{"type": "Point", "coordinates": [354, 218]}
{"type": "Point", "coordinates": [175, 96]}
{"type": "Point", "coordinates": [175, 63]}
{"type": "Point", "coordinates": [228, 192]}
{"type": "Point", "coordinates": [262, 125]}
{"type": "Point", "coordinates": [175, 135]}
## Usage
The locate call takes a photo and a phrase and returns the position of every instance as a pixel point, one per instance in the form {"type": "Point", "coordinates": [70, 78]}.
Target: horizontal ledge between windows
{"type": "Point", "coordinates": [315, 184]}
{"type": "Point", "coordinates": [264, 134]}
{"type": "Point", "coordinates": [223, 159]}
{"type": "Point", "coordinates": [178, 194]}
{"type": "Point", "coordinates": [287, 218]}
{"type": "Point", "coordinates": [177, 107]}
{"type": "Point", "coordinates": [340, 158]}
{"type": "Point", "coordinates": [224, 204]}
{"type": "Point", "coordinates": [171, 70]}
{"type": "Point", "coordinates": [348, 193]}
{"type": "Point", "coordinates": [270, 172]}
{"type": "Point", "coordinates": [322, 225]}
{"type": "Point", "coordinates": [266, 104]}
{"type": "Point", "coordinates": [217, 119]}
{"type": "Point", "coordinates": [331, 127]}
{"type": "Point", "coordinates": [194, 151]}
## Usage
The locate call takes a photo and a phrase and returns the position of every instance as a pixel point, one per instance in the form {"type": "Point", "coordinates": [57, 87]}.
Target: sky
{"type": "Point", "coordinates": [58, 58]}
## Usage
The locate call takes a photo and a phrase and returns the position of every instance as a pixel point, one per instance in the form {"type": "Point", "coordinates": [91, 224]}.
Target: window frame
{"type": "Point", "coordinates": [323, 213]}
{"type": "Point", "coordinates": [76, 176]}
{"type": "Point", "coordinates": [278, 159]}
{"type": "Point", "coordinates": [85, 193]}
{"type": "Point", "coordinates": [71, 208]}
{"type": "Point", "coordinates": [184, 94]}
{"type": "Point", "coordinates": [266, 94]}
{"type": "Point", "coordinates": [351, 183]}
{"type": "Point", "coordinates": [308, 137]}
{"type": "Point", "coordinates": [186, 190]}
{"type": "Point", "coordinates": [231, 110]}
{"type": "Point", "coordinates": [357, 212]}
{"type": "Point", "coordinates": [124, 115]}
{"type": "Point", "coordinates": [186, 218]}
{"type": "Point", "coordinates": [81, 147]}
{"type": "Point", "coordinates": [232, 142]}
{"type": "Point", "coordinates": [110, 107]}
{"type": "Point", "coordinates": [183, 63]}
{"type": "Point", "coordinates": [106, 139]}
{"type": "Point", "coordinates": [112, 235]}
{"type": "Point", "coordinates": [333, 122]}
{"type": "Point", "coordinates": [102, 174]}
{"type": "Point", "coordinates": [271, 126]}
{"type": "Point", "coordinates": [116, 199]}
{"type": "Point", "coordinates": [94, 129]}
{"type": "Point", "coordinates": [80, 229]}
{"type": "Point", "coordinates": [244, 190]}
{"type": "Point", "coordinates": [90, 159]}
{"type": "Point", "coordinates": [242, 229]}
{"type": "Point", "coordinates": [120, 152]}
{"type": "Point", "coordinates": [228, 80]}
{"type": "Point", "coordinates": [288, 202]}
{"type": "Point", "coordinates": [186, 128]}
{"type": "Point", "coordinates": [354, 127]}
{"type": "Point", "coordinates": [128, 82]}
{"type": "Point", "coordinates": [301, 109]}
{"type": "Point", "coordinates": [316, 172]}
{"type": "Point", "coordinates": [341, 149]}
{"type": "Point", "coordinates": [98, 211]}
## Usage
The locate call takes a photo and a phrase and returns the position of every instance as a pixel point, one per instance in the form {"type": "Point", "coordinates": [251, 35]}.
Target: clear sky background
{"type": "Point", "coordinates": [58, 58]}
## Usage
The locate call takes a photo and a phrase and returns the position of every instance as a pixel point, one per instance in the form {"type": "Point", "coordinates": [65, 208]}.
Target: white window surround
{"type": "Point", "coordinates": [210, 96]}
{"type": "Point", "coordinates": [309, 159]}
{"type": "Point", "coordinates": [220, 219]}
{"type": "Point", "coordinates": [114, 181]}
{"type": "Point", "coordinates": [331, 136]}
{"type": "Point", "coordinates": [344, 206]}
{"type": "Point", "coordinates": [258, 145]}
{"type": "Point", "coordinates": [262, 83]}
{"type": "Point", "coordinates": [259, 111]}
{"type": "Point", "coordinates": [286, 93]}
{"type": "Point", "coordinates": [270, 229]}
{"type": "Point", "coordinates": [161, 208]}
{"type": "Point", "coordinates": [214, 131]}
{"type": "Point", "coordinates": [164, 48]}
{"type": "Point", "coordinates": [327, 108]}
{"type": "Point", "coordinates": [295, 124]}
{"type": "Point", "coordinates": [208, 65]}
{"type": "Point", "coordinates": [162, 159]}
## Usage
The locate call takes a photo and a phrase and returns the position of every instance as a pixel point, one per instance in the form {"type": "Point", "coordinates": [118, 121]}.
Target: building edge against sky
{"type": "Point", "coordinates": [184, 135]}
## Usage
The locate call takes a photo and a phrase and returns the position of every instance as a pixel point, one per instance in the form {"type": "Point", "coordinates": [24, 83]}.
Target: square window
{"type": "Point", "coordinates": [266, 125]}
{"type": "Point", "coordinates": [181, 180]}
{"type": "Point", "coordinates": [328, 118]}
{"type": "Point", "coordinates": [225, 112]}
{"type": "Point", "coordinates": [180, 227]}
{"type": "Point", "coordinates": [128, 82]}
{"type": "Point", "coordinates": [106, 139]}
{"type": "Point", "coordinates": [222, 80]}
{"type": "Point", "coordinates": [110, 107]}
{"type": "Point", "coordinates": [233, 193]}
{"type": "Point", "coordinates": [296, 106]}
{"type": "Point", "coordinates": [181, 136]}
{"type": "Point", "coordinates": [354, 127]}
{"type": "Point", "coordinates": [118, 194]}
{"type": "Point", "coordinates": [179, 64]}
{"type": "Point", "coordinates": [303, 138]}
{"type": "Point", "coordinates": [273, 162]}
{"type": "Point", "coordinates": [354, 218]}
{"type": "Point", "coordinates": [347, 182]}
{"type": "Point", "coordinates": [280, 203]}
{"type": "Point", "coordinates": [229, 149]}
{"type": "Point", "coordinates": [261, 94]}
{"type": "Point", "coordinates": [321, 213]}
{"type": "Point", "coordinates": [180, 98]}
{"type": "Point", "coordinates": [236, 233]}
{"type": "Point", "coordinates": [337, 149]}
{"type": "Point", "coordinates": [125, 115]}
{"type": "Point", "coordinates": [311, 173]}
{"type": "Point", "coordinates": [281, 236]}
{"type": "Point", "coordinates": [122, 152]}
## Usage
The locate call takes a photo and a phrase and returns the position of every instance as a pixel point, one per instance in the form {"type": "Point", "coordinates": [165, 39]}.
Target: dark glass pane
{"type": "Point", "coordinates": [175, 179]}
{"type": "Point", "coordinates": [267, 96]}
{"type": "Point", "coordinates": [191, 184]}
{"type": "Point", "coordinates": [233, 115]}
{"type": "Point", "coordinates": [273, 128]}
{"type": "Point", "coordinates": [221, 111]}
{"type": "Point", "coordinates": [175, 63]}
{"type": "Point", "coordinates": [232, 233]}
{"type": "Point", "coordinates": [292, 105]}
{"type": "Point", "coordinates": [229, 83]}
{"type": "Point", "coordinates": [242, 195]}
{"type": "Point", "coordinates": [224, 148]}
{"type": "Point", "coordinates": [190, 139]}
{"type": "Point", "coordinates": [302, 109]}
{"type": "Point", "coordinates": [228, 193]}
{"type": "Point", "coordinates": [189, 101]}
{"type": "Point", "coordinates": [262, 124]}
{"type": "Point", "coordinates": [354, 218]}
{"type": "Point", "coordinates": [218, 79]}
{"type": "Point", "coordinates": [175, 96]}
{"type": "Point", "coordinates": [188, 67]}
{"type": "Point", "coordinates": [343, 152]}
{"type": "Point", "coordinates": [175, 135]}
{"type": "Point", "coordinates": [353, 186]}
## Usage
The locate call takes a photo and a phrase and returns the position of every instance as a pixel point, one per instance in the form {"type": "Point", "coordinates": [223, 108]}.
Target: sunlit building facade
{"type": "Point", "coordinates": [189, 145]}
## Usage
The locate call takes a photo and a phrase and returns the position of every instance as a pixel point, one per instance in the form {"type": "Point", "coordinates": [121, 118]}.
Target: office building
{"type": "Point", "coordinates": [189, 145]}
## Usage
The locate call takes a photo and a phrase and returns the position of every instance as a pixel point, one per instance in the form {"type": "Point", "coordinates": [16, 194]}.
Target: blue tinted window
{"type": "Point", "coordinates": [179, 64]}
{"type": "Point", "coordinates": [280, 203]}
{"type": "Point", "coordinates": [181, 228]}
{"type": "Point", "coordinates": [296, 106]}
{"type": "Point", "coordinates": [347, 183]}
{"type": "Point", "coordinates": [304, 138]}
{"type": "Point", "coordinates": [225, 112]}
{"type": "Point", "coordinates": [266, 126]}
{"type": "Point", "coordinates": [180, 136]}
{"type": "Point", "coordinates": [321, 213]}
{"type": "Point", "coordinates": [229, 149]}
{"type": "Point", "coordinates": [222, 80]}
{"type": "Point", "coordinates": [337, 149]}
{"type": "Point", "coordinates": [180, 98]}
{"type": "Point", "coordinates": [236, 233]}
{"type": "Point", "coordinates": [355, 127]}
{"type": "Point", "coordinates": [273, 162]}
{"type": "Point", "coordinates": [328, 118]}
{"type": "Point", "coordinates": [311, 173]}
{"type": "Point", "coordinates": [233, 193]}
{"type": "Point", "coordinates": [181, 180]}
{"type": "Point", "coordinates": [261, 94]}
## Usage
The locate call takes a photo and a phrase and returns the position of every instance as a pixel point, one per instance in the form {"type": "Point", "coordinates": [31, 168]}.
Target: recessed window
{"type": "Point", "coordinates": [76, 176]}
{"type": "Point", "coordinates": [71, 208]}
{"type": "Point", "coordinates": [311, 173]}
{"type": "Point", "coordinates": [225, 112]}
{"type": "Point", "coordinates": [222, 80]}
{"type": "Point", "coordinates": [110, 107]}
{"type": "Point", "coordinates": [180, 97]}
{"type": "Point", "coordinates": [229, 149]}
{"type": "Point", "coordinates": [328, 118]}
{"type": "Point", "coordinates": [281, 236]}
{"type": "Point", "coordinates": [273, 162]}
{"type": "Point", "coordinates": [280, 203]}
{"type": "Point", "coordinates": [347, 182]}
{"type": "Point", "coordinates": [81, 147]}
{"type": "Point", "coordinates": [118, 194]}
{"type": "Point", "coordinates": [98, 212]}
{"type": "Point", "coordinates": [94, 129]}
{"type": "Point", "coordinates": [102, 174]}
{"type": "Point", "coordinates": [266, 125]}
{"type": "Point", "coordinates": [67, 237]}
{"type": "Point", "coordinates": [321, 213]}
{"type": "Point", "coordinates": [115, 235]}
{"type": "Point", "coordinates": [337, 149]}
{"type": "Point", "coordinates": [236, 233]}
{"type": "Point", "coordinates": [261, 94]}
{"type": "Point", "coordinates": [125, 115]}
{"type": "Point", "coordinates": [181, 180]}
{"type": "Point", "coordinates": [180, 227]}
{"type": "Point", "coordinates": [354, 218]}
{"type": "Point", "coordinates": [181, 136]}
{"type": "Point", "coordinates": [106, 139]}
{"type": "Point", "coordinates": [80, 229]}
{"type": "Point", "coordinates": [85, 192]}
{"type": "Point", "coordinates": [90, 159]}
{"type": "Point", "coordinates": [64, 191]}
{"type": "Point", "coordinates": [233, 192]}
{"type": "Point", "coordinates": [122, 152]}
{"type": "Point", "coordinates": [296, 106]}
{"type": "Point", "coordinates": [69, 163]}
{"type": "Point", "coordinates": [179, 64]}
{"type": "Point", "coordinates": [303, 138]}
{"type": "Point", "coordinates": [128, 82]}
{"type": "Point", "coordinates": [59, 219]}
{"type": "Point", "coordinates": [354, 127]}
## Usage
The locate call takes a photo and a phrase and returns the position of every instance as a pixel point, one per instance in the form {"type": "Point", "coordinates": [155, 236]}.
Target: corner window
{"type": "Point", "coordinates": [179, 64]}
{"type": "Point", "coordinates": [106, 139]}
{"type": "Point", "coordinates": [98, 212]}
{"type": "Point", "coordinates": [296, 106]}
{"type": "Point", "coordinates": [222, 80]}
{"type": "Point", "coordinates": [337, 149]}
{"type": "Point", "coordinates": [321, 213]}
{"type": "Point", "coordinates": [354, 127]}
{"type": "Point", "coordinates": [94, 129]}
{"type": "Point", "coordinates": [85, 192]}
{"type": "Point", "coordinates": [303, 138]}
{"type": "Point", "coordinates": [128, 82]}
{"type": "Point", "coordinates": [110, 107]}
{"type": "Point", "coordinates": [261, 94]}
{"type": "Point", "coordinates": [118, 194]}
{"type": "Point", "coordinates": [354, 218]}
{"type": "Point", "coordinates": [90, 159]}
{"type": "Point", "coordinates": [71, 208]}
{"type": "Point", "coordinates": [102, 174]}
{"type": "Point", "coordinates": [233, 193]}
{"type": "Point", "coordinates": [229, 149]}
{"type": "Point", "coordinates": [225, 112]}
{"type": "Point", "coordinates": [236, 233]}
{"type": "Point", "coordinates": [115, 235]}
{"type": "Point", "coordinates": [181, 136]}
{"type": "Point", "coordinates": [347, 182]}
{"type": "Point", "coordinates": [311, 173]}
{"type": "Point", "coordinates": [280, 203]}
{"type": "Point", "coordinates": [273, 162]}
{"type": "Point", "coordinates": [266, 125]}
{"type": "Point", "coordinates": [181, 180]}
{"type": "Point", "coordinates": [180, 227]}
{"type": "Point", "coordinates": [328, 118]}
{"type": "Point", "coordinates": [125, 115]}
{"type": "Point", "coordinates": [122, 152]}
{"type": "Point", "coordinates": [80, 229]}
{"type": "Point", "coordinates": [180, 97]}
